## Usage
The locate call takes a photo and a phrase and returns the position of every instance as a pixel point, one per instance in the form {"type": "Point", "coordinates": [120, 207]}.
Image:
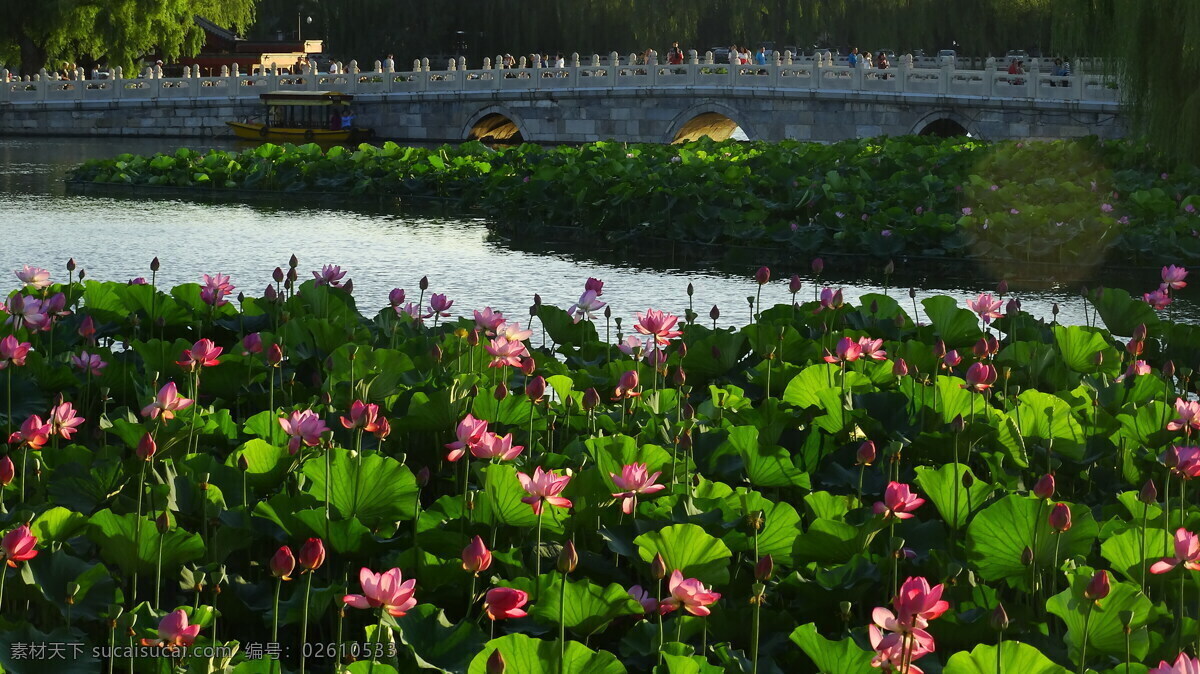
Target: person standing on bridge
{"type": "Point", "coordinates": [852, 58]}
{"type": "Point", "coordinates": [761, 57]}
{"type": "Point", "coordinates": [675, 54]}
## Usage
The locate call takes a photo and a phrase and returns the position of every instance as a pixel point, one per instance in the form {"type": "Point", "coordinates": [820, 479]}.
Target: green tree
{"type": "Point", "coordinates": [116, 32]}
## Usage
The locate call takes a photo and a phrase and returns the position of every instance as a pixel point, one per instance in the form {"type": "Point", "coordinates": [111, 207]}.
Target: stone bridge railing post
{"type": "Point", "coordinates": [575, 59]}
{"type": "Point", "coordinates": [595, 60]}
{"type": "Point", "coordinates": [452, 65]}
{"type": "Point", "coordinates": [614, 59]}
{"type": "Point", "coordinates": [462, 62]}
{"type": "Point", "coordinates": [499, 62]}
{"type": "Point", "coordinates": [378, 67]}
{"type": "Point", "coordinates": [537, 61]}
{"type": "Point", "coordinates": [787, 57]}
{"type": "Point", "coordinates": [693, 57]}
{"type": "Point", "coordinates": [425, 64]}
{"type": "Point", "coordinates": [487, 63]}
{"type": "Point", "coordinates": [522, 63]}
{"type": "Point", "coordinates": [708, 58]}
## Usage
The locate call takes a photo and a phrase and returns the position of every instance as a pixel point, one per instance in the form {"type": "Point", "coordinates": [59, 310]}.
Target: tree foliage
{"type": "Point", "coordinates": [112, 32]}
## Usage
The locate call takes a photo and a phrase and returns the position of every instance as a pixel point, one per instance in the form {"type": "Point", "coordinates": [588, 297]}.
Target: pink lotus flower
{"type": "Point", "coordinates": [7, 471]}
{"type": "Point", "coordinates": [1159, 299]}
{"type": "Point", "coordinates": [1189, 416]}
{"type": "Point", "coordinates": [487, 320]}
{"type": "Point", "coordinates": [439, 305]}
{"type": "Point", "coordinates": [312, 554]}
{"type": "Point", "coordinates": [587, 305]}
{"type": "Point", "coordinates": [202, 354]}
{"type": "Point", "coordinates": [1184, 461]}
{"type": "Point", "coordinates": [1106, 208]}
{"type": "Point", "coordinates": [495, 446]}
{"type": "Point", "coordinates": [544, 487]}
{"type": "Point", "coordinates": [900, 368]}
{"type": "Point", "coordinates": [34, 433]}
{"type": "Point", "coordinates": [214, 289]}
{"type": "Point", "coordinates": [17, 546]}
{"type": "Point", "coordinates": [1187, 553]}
{"type": "Point", "coordinates": [966, 210]}
{"type": "Point", "coordinates": [501, 603]}
{"type": "Point", "coordinates": [384, 590]}
{"type": "Point", "coordinates": [146, 447]}
{"type": "Point", "coordinates": [632, 481]}
{"type": "Point", "coordinates": [917, 603]}
{"type": "Point", "coordinates": [252, 343]}
{"type": "Point", "coordinates": [632, 346]}
{"type": "Point", "coordinates": [595, 285]}
{"type": "Point", "coordinates": [363, 416]}
{"type": "Point", "coordinates": [658, 324]}
{"type": "Point", "coordinates": [895, 652]}
{"type": "Point", "coordinates": [305, 427]}
{"type": "Point", "coordinates": [689, 594]}
{"type": "Point", "coordinates": [330, 275]}
{"type": "Point", "coordinates": [951, 359]}
{"type": "Point", "coordinates": [1136, 369]}
{"type": "Point", "coordinates": [1173, 277]}
{"type": "Point", "coordinates": [1060, 517]}
{"type": "Point", "coordinates": [627, 386]}
{"type": "Point", "coordinates": [396, 297]}
{"type": "Point", "coordinates": [898, 501]}
{"type": "Point", "coordinates": [87, 362]}
{"type": "Point", "coordinates": [29, 311]}
{"type": "Point", "coordinates": [505, 352]}
{"type": "Point", "coordinates": [13, 352]}
{"type": "Point", "coordinates": [174, 631]}
{"type": "Point", "coordinates": [987, 307]}
{"type": "Point", "coordinates": [865, 454]}
{"type": "Point", "coordinates": [872, 348]}
{"type": "Point", "coordinates": [167, 402]}
{"type": "Point", "coordinates": [649, 604]}
{"type": "Point", "coordinates": [1044, 489]}
{"type": "Point", "coordinates": [513, 332]}
{"type": "Point", "coordinates": [475, 557]}
{"type": "Point", "coordinates": [87, 329]}
{"type": "Point", "coordinates": [1183, 665]}
{"type": "Point", "coordinates": [830, 299]}
{"type": "Point", "coordinates": [283, 563]}
{"type": "Point", "coordinates": [980, 377]}
{"type": "Point", "coordinates": [34, 278]}
{"type": "Point", "coordinates": [848, 351]}
{"type": "Point", "coordinates": [63, 421]}
{"type": "Point", "coordinates": [412, 310]}
{"type": "Point", "coordinates": [470, 432]}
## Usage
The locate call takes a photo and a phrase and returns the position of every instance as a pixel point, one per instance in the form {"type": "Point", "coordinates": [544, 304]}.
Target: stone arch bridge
{"type": "Point", "coordinates": [654, 103]}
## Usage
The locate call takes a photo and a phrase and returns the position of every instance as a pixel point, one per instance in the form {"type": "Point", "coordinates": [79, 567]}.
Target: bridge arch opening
{"type": "Point", "coordinates": [944, 127]}
{"type": "Point", "coordinates": [495, 128]}
{"type": "Point", "coordinates": [712, 124]}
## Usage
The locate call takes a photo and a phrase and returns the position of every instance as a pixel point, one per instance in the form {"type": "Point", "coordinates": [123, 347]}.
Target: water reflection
{"type": "Point", "coordinates": [114, 239]}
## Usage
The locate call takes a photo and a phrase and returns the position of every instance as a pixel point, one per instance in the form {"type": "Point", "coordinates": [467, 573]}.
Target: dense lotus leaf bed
{"type": "Point", "coordinates": [1077, 202]}
{"type": "Point", "coordinates": [828, 488]}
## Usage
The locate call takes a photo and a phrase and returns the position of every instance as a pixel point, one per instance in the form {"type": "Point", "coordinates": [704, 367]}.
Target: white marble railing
{"type": "Point", "coordinates": [812, 76]}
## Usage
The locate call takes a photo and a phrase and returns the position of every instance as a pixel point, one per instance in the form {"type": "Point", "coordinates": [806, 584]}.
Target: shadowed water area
{"type": "Point", "coordinates": [394, 246]}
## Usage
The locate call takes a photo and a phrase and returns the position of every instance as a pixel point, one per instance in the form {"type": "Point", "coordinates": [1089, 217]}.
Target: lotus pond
{"type": "Point", "coordinates": [829, 487]}
{"type": "Point", "coordinates": [1078, 203]}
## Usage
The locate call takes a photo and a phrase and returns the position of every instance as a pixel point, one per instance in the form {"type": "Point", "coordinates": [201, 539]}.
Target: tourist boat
{"type": "Point", "coordinates": [301, 117]}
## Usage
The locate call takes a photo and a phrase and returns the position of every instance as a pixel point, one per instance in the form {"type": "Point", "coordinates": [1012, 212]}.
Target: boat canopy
{"type": "Point", "coordinates": [305, 98]}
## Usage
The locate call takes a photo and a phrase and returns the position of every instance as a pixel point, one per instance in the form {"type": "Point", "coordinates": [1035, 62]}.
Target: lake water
{"type": "Point", "coordinates": [115, 239]}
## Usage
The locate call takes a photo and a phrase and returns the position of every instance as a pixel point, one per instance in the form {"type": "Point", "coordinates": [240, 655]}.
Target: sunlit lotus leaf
{"type": "Point", "coordinates": [374, 489]}
{"type": "Point", "coordinates": [999, 534]}
{"type": "Point", "coordinates": [690, 549]}
{"type": "Point", "coordinates": [120, 542]}
{"type": "Point", "coordinates": [832, 657]}
{"type": "Point", "coordinates": [944, 487]}
{"type": "Point", "coordinates": [589, 608]}
{"type": "Point", "coordinates": [1014, 657]}
{"type": "Point", "coordinates": [1105, 632]}
{"type": "Point", "coordinates": [537, 656]}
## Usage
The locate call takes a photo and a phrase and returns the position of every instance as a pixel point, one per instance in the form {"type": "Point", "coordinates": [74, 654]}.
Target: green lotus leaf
{"type": "Point", "coordinates": [500, 502]}
{"type": "Point", "coordinates": [1124, 551]}
{"type": "Point", "coordinates": [1120, 312]}
{"type": "Point", "coordinates": [958, 328]}
{"type": "Point", "coordinates": [999, 534]}
{"type": "Point", "coordinates": [688, 548]}
{"type": "Point", "coordinates": [374, 489]}
{"type": "Point", "coordinates": [435, 642]}
{"type": "Point", "coordinates": [766, 466]}
{"type": "Point", "coordinates": [136, 550]}
{"type": "Point", "coordinates": [832, 657]}
{"type": "Point", "coordinates": [804, 390]}
{"type": "Point", "coordinates": [1079, 346]}
{"type": "Point", "coordinates": [1105, 632]}
{"type": "Point", "coordinates": [589, 608]}
{"type": "Point", "coordinates": [1014, 657]}
{"type": "Point", "coordinates": [954, 502]}
{"type": "Point", "coordinates": [1048, 417]}
{"type": "Point", "coordinates": [536, 656]}
{"type": "Point", "coordinates": [56, 525]}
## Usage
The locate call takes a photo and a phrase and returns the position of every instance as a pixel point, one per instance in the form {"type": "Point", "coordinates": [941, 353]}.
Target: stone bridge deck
{"type": "Point", "coordinates": [637, 103]}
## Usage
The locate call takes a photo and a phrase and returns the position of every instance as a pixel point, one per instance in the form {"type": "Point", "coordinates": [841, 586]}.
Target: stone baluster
{"type": "Point", "coordinates": [224, 71]}
{"type": "Point", "coordinates": [708, 58]}
{"type": "Point", "coordinates": [487, 63]}
{"type": "Point", "coordinates": [3, 74]}
{"type": "Point", "coordinates": [633, 57]}
{"type": "Point", "coordinates": [452, 65]}
{"type": "Point", "coordinates": [354, 67]}
{"type": "Point", "coordinates": [537, 61]}
{"type": "Point", "coordinates": [378, 67]}
{"type": "Point", "coordinates": [778, 58]}
{"type": "Point", "coordinates": [425, 64]}
{"type": "Point", "coordinates": [614, 59]}
{"type": "Point", "coordinates": [788, 57]}
{"type": "Point", "coordinates": [236, 70]}
{"type": "Point", "coordinates": [522, 63]}
{"type": "Point", "coordinates": [416, 65]}
{"type": "Point", "coordinates": [575, 59]}
{"type": "Point", "coordinates": [595, 60]}
{"type": "Point", "coordinates": [462, 62]}
{"type": "Point", "coordinates": [499, 61]}
{"type": "Point", "coordinates": [187, 73]}
{"type": "Point", "coordinates": [693, 57]}
{"type": "Point", "coordinates": [196, 70]}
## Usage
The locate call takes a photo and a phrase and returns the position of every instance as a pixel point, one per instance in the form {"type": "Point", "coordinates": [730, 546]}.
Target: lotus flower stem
{"type": "Point", "coordinates": [471, 597]}
{"type": "Point", "coordinates": [3, 576]}
{"type": "Point", "coordinates": [9, 425]}
{"type": "Point", "coordinates": [562, 624]}
{"type": "Point", "coordinates": [271, 379]}
{"type": "Point", "coordinates": [1128, 650]}
{"type": "Point", "coordinates": [537, 552]}
{"type": "Point", "coordinates": [357, 468]}
{"type": "Point", "coordinates": [328, 479]}
{"type": "Point", "coordinates": [24, 463]}
{"type": "Point", "coordinates": [754, 624]}
{"type": "Point", "coordinates": [1000, 651]}
{"type": "Point", "coordinates": [158, 571]}
{"type": "Point", "coordinates": [703, 635]}
{"type": "Point", "coordinates": [1054, 569]}
{"type": "Point", "coordinates": [861, 469]}
{"type": "Point", "coordinates": [304, 616]}
{"type": "Point", "coordinates": [1142, 537]}
{"type": "Point", "coordinates": [1166, 511]}
{"type": "Point", "coordinates": [1087, 619]}
{"type": "Point", "coordinates": [137, 530]}
{"type": "Point", "coordinates": [678, 630]}
{"type": "Point", "coordinates": [378, 640]}
{"type": "Point", "coordinates": [658, 599]}
{"type": "Point", "coordinates": [275, 612]}
{"type": "Point", "coordinates": [112, 644]}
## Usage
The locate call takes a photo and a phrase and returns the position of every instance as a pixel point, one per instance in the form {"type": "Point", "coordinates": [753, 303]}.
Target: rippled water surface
{"type": "Point", "coordinates": [115, 238]}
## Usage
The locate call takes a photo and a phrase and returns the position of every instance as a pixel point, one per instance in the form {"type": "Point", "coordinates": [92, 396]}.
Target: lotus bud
{"type": "Point", "coordinates": [1098, 358]}
{"type": "Point", "coordinates": [999, 619]}
{"type": "Point", "coordinates": [473, 338]}
{"type": "Point", "coordinates": [163, 522]}
{"type": "Point", "coordinates": [866, 454]}
{"type": "Point", "coordinates": [900, 368]}
{"type": "Point", "coordinates": [146, 447]}
{"type": "Point", "coordinates": [495, 663]}
{"type": "Point", "coordinates": [476, 558]}
{"type": "Point", "coordinates": [981, 348]}
{"type": "Point", "coordinates": [1054, 309]}
{"type": "Point", "coordinates": [537, 299]}
{"type": "Point", "coordinates": [1002, 287]}
{"type": "Point", "coordinates": [423, 476]}
{"type": "Point", "coordinates": [71, 264]}
{"type": "Point", "coordinates": [1149, 493]}
{"type": "Point", "coordinates": [1027, 556]}
{"type": "Point", "coordinates": [269, 294]}
{"type": "Point", "coordinates": [714, 313]}
{"type": "Point", "coordinates": [1126, 618]}
{"type": "Point", "coordinates": [967, 480]}
{"type": "Point", "coordinates": [528, 366]}
{"type": "Point", "coordinates": [764, 568]}
{"type": "Point", "coordinates": [501, 391]}
{"type": "Point", "coordinates": [939, 349]}
{"type": "Point", "coordinates": [958, 424]}
{"type": "Point", "coordinates": [292, 275]}
{"type": "Point", "coordinates": [536, 388]}
{"type": "Point", "coordinates": [312, 554]}
{"type": "Point", "coordinates": [293, 262]}
{"type": "Point", "coordinates": [874, 308]}
{"type": "Point", "coordinates": [681, 348]}
{"type": "Point", "coordinates": [591, 398]}
{"type": "Point", "coordinates": [568, 558]}
{"type": "Point", "coordinates": [679, 377]}
{"type": "Point", "coordinates": [889, 268]}
{"type": "Point", "coordinates": [1170, 458]}
{"type": "Point", "coordinates": [1098, 587]}
{"type": "Point", "coordinates": [241, 298]}
{"type": "Point", "coordinates": [795, 284]}
{"type": "Point", "coordinates": [818, 266]}
{"type": "Point", "coordinates": [688, 412]}
{"type": "Point", "coordinates": [658, 567]}
{"type": "Point", "coordinates": [844, 608]}
{"type": "Point", "coordinates": [283, 563]}
{"type": "Point", "coordinates": [1012, 307]}
{"type": "Point", "coordinates": [1168, 369]}
{"type": "Point", "coordinates": [424, 283]}
{"type": "Point", "coordinates": [1044, 489]}
{"type": "Point", "coordinates": [349, 286]}
{"type": "Point", "coordinates": [82, 274]}
{"type": "Point", "coordinates": [154, 264]}
{"type": "Point", "coordinates": [277, 275]}
{"type": "Point", "coordinates": [762, 276]}
{"type": "Point", "coordinates": [242, 464]}
{"type": "Point", "coordinates": [608, 314]}
{"type": "Point", "coordinates": [274, 355]}
{"type": "Point", "coordinates": [1060, 517]}
{"type": "Point", "coordinates": [690, 290]}
{"type": "Point", "coordinates": [7, 470]}
{"type": "Point", "coordinates": [1139, 333]}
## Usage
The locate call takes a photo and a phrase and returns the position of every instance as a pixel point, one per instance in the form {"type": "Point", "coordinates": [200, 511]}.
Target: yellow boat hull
{"type": "Point", "coordinates": [288, 135]}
